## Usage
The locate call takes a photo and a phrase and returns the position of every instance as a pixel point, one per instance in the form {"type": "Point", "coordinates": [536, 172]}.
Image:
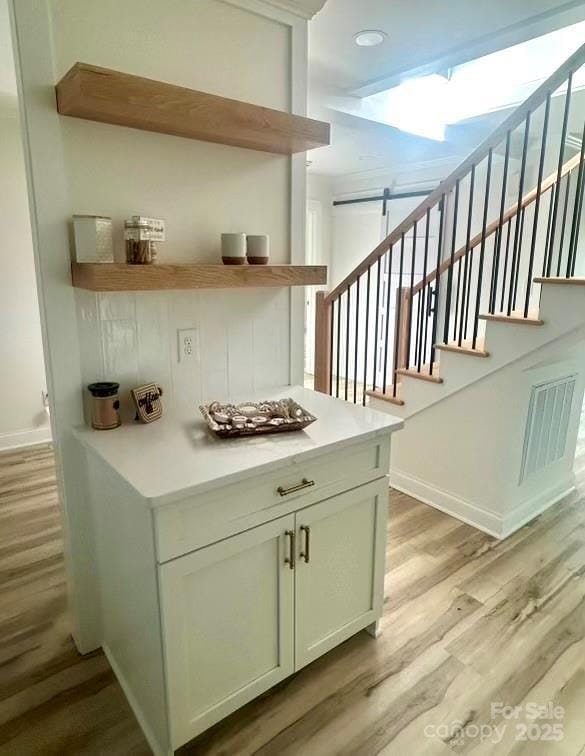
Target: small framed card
{"type": "Point", "coordinates": [148, 403]}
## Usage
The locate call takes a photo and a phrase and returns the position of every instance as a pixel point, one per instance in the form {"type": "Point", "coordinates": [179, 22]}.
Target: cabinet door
{"type": "Point", "coordinates": [227, 624]}
{"type": "Point", "coordinates": [339, 586]}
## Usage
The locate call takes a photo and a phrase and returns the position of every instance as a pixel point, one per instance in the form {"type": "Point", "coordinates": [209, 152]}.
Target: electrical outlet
{"type": "Point", "coordinates": [188, 344]}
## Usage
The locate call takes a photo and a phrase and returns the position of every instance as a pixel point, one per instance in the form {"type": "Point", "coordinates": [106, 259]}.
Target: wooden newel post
{"type": "Point", "coordinates": [322, 342]}
{"type": "Point", "coordinates": [402, 326]}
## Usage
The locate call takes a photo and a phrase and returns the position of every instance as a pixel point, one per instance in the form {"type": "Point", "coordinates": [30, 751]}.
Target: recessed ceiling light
{"type": "Point", "coordinates": [369, 37]}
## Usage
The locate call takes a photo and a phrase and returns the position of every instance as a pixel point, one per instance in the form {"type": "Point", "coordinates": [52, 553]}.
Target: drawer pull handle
{"type": "Point", "coordinates": [290, 559]}
{"type": "Point", "coordinates": [297, 487]}
{"type": "Point", "coordinates": [306, 554]}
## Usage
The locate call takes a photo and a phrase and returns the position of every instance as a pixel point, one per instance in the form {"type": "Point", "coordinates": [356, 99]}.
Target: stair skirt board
{"type": "Point", "coordinates": [489, 522]}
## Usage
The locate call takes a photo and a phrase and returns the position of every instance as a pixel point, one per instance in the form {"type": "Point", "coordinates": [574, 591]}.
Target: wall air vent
{"type": "Point", "coordinates": [547, 423]}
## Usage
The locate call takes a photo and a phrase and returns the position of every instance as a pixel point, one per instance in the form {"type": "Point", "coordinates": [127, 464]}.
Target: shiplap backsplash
{"type": "Point", "coordinates": [132, 338]}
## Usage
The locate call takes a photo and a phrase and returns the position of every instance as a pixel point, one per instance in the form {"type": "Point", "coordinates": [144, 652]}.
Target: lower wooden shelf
{"type": "Point", "coordinates": [122, 277]}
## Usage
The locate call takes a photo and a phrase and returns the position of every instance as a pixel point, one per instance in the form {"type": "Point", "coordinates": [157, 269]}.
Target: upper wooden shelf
{"type": "Point", "coordinates": [100, 94]}
{"type": "Point", "coordinates": [122, 277]}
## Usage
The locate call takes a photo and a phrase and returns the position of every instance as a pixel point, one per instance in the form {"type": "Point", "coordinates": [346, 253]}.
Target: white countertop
{"type": "Point", "coordinates": [176, 457]}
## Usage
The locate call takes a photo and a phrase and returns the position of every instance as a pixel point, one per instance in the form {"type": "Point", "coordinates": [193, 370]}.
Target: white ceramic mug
{"type": "Point", "coordinates": [258, 248]}
{"type": "Point", "coordinates": [233, 248]}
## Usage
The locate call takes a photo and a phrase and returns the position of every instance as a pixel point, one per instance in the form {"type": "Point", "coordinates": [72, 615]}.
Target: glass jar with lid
{"type": "Point", "coordinates": [140, 247]}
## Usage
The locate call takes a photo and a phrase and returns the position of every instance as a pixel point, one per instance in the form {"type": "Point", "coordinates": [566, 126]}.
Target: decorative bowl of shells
{"type": "Point", "coordinates": [255, 418]}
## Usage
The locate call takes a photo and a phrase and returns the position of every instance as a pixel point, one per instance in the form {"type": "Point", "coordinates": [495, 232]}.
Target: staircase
{"type": "Point", "coordinates": [488, 269]}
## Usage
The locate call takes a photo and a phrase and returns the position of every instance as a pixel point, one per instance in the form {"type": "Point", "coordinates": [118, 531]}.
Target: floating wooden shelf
{"type": "Point", "coordinates": [100, 94]}
{"type": "Point", "coordinates": [121, 277]}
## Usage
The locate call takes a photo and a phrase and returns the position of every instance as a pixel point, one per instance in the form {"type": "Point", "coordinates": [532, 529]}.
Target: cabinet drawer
{"type": "Point", "coordinates": [209, 517]}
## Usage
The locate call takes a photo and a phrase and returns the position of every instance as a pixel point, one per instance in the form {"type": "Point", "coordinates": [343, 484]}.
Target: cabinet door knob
{"type": "Point", "coordinates": [306, 554]}
{"type": "Point", "coordinates": [290, 559]}
{"type": "Point", "coordinates": [297, 487]}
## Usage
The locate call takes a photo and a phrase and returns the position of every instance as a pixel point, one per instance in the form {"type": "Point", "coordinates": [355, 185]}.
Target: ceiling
{"type": "Point", "coordinates": [341, 73]}
{"type": "Point", "coordinates": [423, 35]}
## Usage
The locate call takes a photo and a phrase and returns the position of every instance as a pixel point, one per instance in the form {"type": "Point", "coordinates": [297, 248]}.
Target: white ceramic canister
{"type": "Point", "coordinates": [93, 239]}
{"type": "Point", "coordinates": [258, 249]}
{"type": "Point", "coordinates": [233, 249]}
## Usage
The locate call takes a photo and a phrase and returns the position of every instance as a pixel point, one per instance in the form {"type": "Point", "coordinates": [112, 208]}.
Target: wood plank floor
{"type": "Point", "coordinates": [468, 621]}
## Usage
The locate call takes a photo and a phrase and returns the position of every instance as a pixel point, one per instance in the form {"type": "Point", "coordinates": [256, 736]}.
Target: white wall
{"type": "Point", "coordinates": [320, 198]}
{"type": "Point", "coordinates": [201, 190]}
{"type": "Point", "coordinates": [464, 454]}
{"type": "Point", "coordinates": [356, 229]}
{"type": "Point", "coordinates": [23, 419]}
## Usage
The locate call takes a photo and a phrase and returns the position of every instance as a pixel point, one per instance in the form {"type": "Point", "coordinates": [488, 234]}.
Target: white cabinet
{"type": "Point", "coordinates": [213, 592]}
{"type": "Point", "coordinates": [242, 614]}
{"type": "Point", "coordinates": [339, 575]}
{"type": "Point", "coordinates": [227, 624]}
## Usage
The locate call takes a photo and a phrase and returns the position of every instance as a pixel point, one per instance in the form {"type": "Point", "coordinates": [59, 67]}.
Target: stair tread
{"type": "Point", "coordinates": [515, 317]}
{"type": "Point", "coordinates": [385, 397]}
{"type": "Point", "coordinates": [423, 375]}
{"type": "Point", "coordinates": [579, 281]}
{"type": "Point", "coordinates": [466, 348]}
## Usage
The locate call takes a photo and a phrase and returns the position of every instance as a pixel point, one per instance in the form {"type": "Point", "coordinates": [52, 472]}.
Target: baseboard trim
{"type": "Point", "coordinates": [155, 746]}
{"type": "Point", "coordinates": [536, 506]}
{"type": "Point", "coordinates": [495, 525]}
{"type": "Point", "coordinates": [461, 509]}
{"type": "Point", "coordinates": [25, 438]}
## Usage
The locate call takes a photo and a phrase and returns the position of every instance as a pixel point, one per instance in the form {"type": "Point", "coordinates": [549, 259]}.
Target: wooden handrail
{"type": "Point", "coordinates": [527, 200]}
{"type": "Point", "coordinates": [554, 81]}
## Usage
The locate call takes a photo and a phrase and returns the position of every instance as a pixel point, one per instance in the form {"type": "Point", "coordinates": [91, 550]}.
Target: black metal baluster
{"type": "Point", "coordinates": [579, 218]}
{"type": "Point", "coordinates": [357, 330]}
{"type": "Point", "coordinates": [338, 345]}
{"type": "Point", "coordinates": [457, 297]}
{"type": "Point", "coordinates": [450, 273]}
{"type": "Point", "coordinates": [347, 342]}
{"type": "Point", "coordinates": [515, 251]}
{"type": "Point", "coordinates": [537, 204]}
{"type": "Point", "coordinates": [424, 293]}
{"type": "Point", "coordinates": [522, 219]}
{"type": "Point", "coordinates": [466, 283]}
{"type": "Point", "coordinates": [411, 296]}
{"type": "Point", "coordinates": [500, 231]}
{"type": "Point", "coordinates": [366, 335]}
{"type": "Point", "coordinates": [553, 190]}
{"type": "Point", "coordinates": [559, 171]}
{"type": "Point", "coordinates": [378, 277]}
{"type": "Point", "coordinates": [437, 284]}
{"type": "Point", "coordinates": [564, 222]}
{"type": "Point", "coordinates": [576, 211]}
{"type": "Point", "coordinates": [506, 257]}
{"type": "Point", "coordinates": [471, 255]}
{"type": "Point", "coordinates": [398, 316]}
{"type": "Point", "coordinates": [429, 294]}
{"type": "Point", "coordinates": [388, 290]}
{"type": "Point", "coordinates": [482, 247]}
{"type": "Point", "coordinates": [419, 306]}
